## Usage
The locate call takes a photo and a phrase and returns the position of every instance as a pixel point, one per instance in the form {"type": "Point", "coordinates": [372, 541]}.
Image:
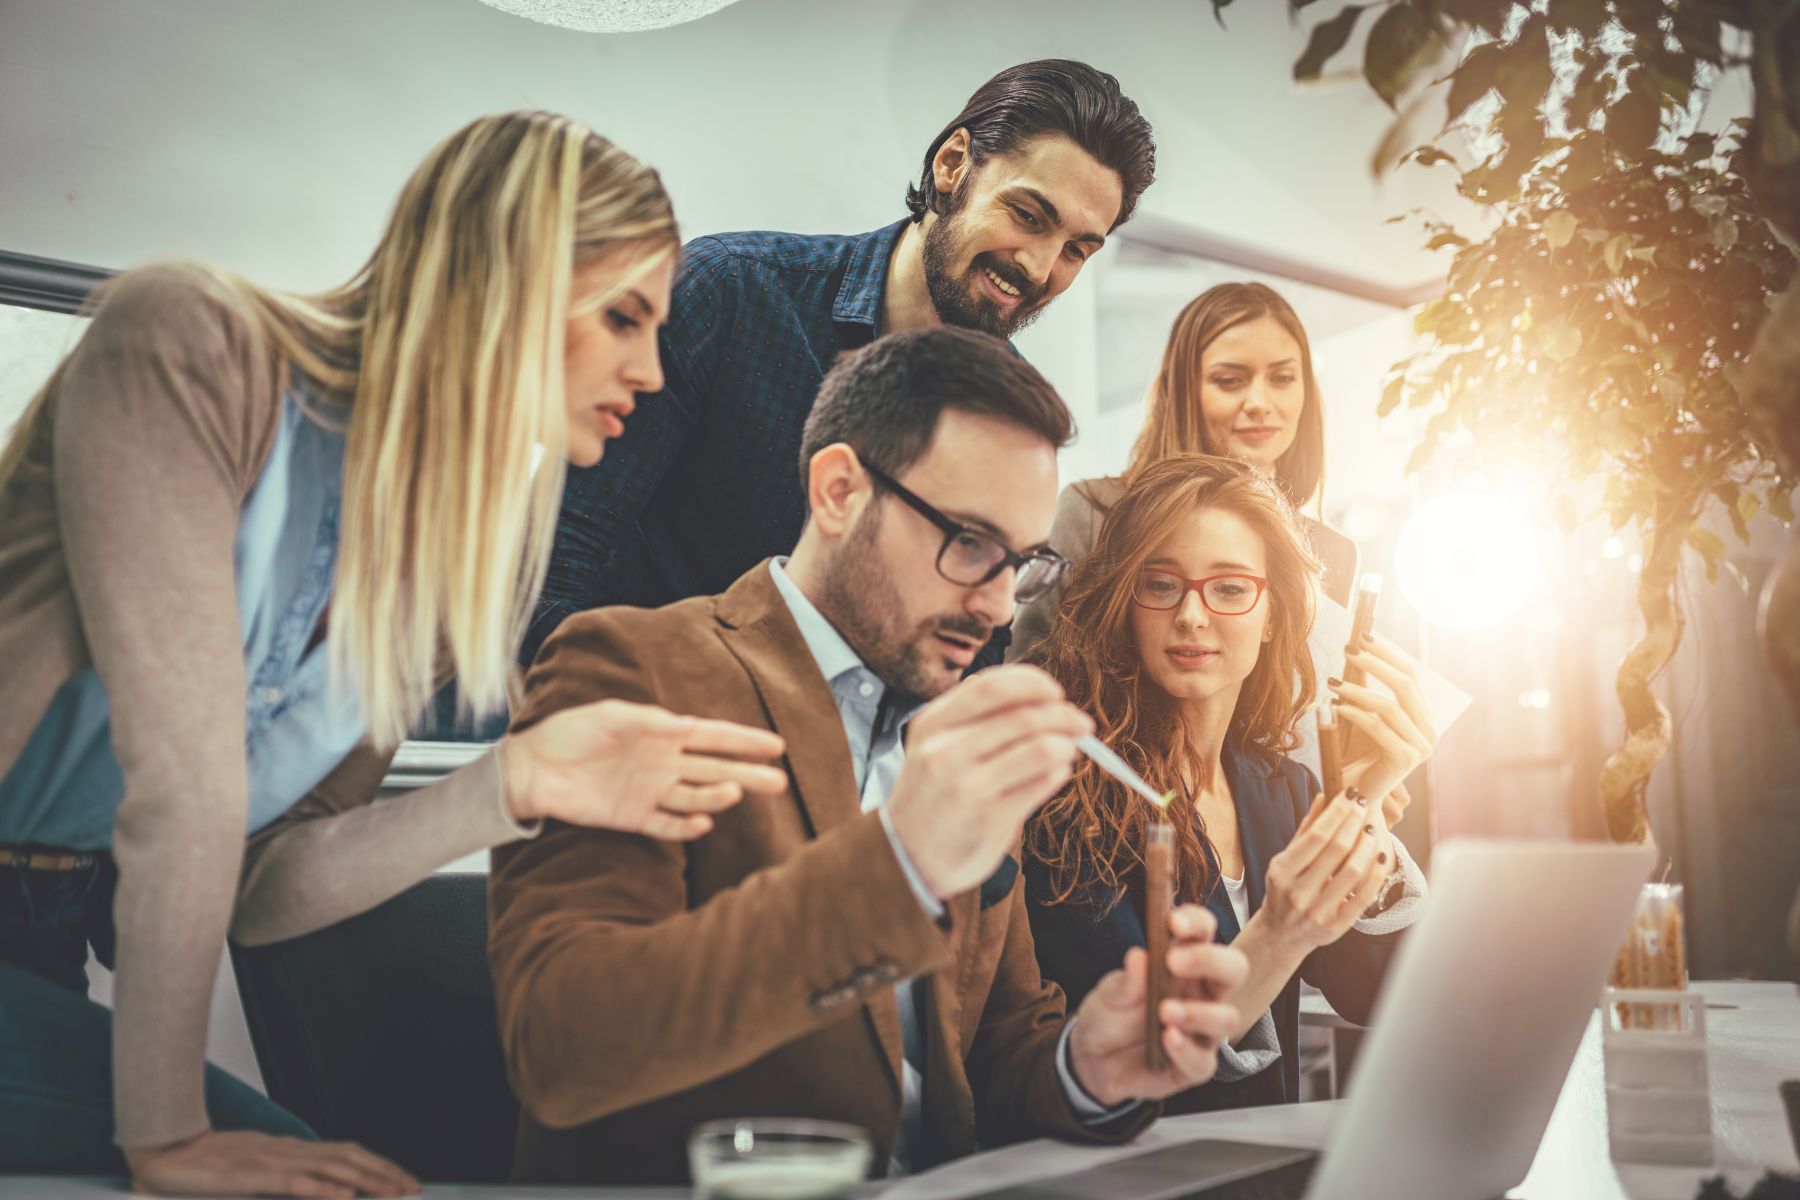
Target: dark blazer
{"type": "Point", "coordinates": [644, 986]}
{"type": "Point", "coordinates": [1077, 943]}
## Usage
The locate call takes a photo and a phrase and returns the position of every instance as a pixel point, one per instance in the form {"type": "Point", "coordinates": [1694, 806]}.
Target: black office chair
{"type": "Point", "coordinates": [381, 1030]}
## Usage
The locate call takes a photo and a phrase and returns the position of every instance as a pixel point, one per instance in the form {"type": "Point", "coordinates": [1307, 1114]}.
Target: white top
{"type": "Point", "coordinates": [1239, 895]}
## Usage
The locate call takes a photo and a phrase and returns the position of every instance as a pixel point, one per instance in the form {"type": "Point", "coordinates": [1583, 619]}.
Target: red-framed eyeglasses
{"type": "Point", "coordinates": [1223, 595]}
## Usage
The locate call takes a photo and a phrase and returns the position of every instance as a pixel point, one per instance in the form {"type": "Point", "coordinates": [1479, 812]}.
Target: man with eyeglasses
{"type": "Point", "coordinates": [858, 948]}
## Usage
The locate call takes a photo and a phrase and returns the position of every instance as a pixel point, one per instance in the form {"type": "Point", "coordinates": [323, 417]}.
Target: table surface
{"type": "Point", "coordinates": [1753, 1043]}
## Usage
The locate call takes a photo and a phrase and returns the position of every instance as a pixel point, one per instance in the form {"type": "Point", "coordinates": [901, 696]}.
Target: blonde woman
{"type": "Point", "coordinates": [246, 536]}
{"type": "Point", "coordinates": [1236, 379]}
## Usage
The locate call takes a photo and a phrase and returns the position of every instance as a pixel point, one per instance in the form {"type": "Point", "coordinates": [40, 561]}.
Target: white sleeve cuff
{"type": "Point", "coordinates": [1254, 1052]}
{"type": "Point", "coordinates": [1087, 1110]}
{"type": "Point", "coordinates": [1411, 904]}
{"type": "Point", "coordinates": [934, 908]}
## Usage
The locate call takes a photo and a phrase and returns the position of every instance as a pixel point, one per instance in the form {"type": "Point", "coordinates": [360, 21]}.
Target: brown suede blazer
{"type": "Point", "coordinates": [646, 986]}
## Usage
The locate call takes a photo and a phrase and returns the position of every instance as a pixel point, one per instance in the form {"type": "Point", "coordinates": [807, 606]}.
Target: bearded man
{"type": "Point", "coordinates": [1017, 191]}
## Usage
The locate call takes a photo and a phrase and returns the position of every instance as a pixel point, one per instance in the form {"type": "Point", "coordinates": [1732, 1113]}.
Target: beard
{"type": "Point", "coordinates": [863, 604]}
{"type": "Point", "coordinates": [955, 296]}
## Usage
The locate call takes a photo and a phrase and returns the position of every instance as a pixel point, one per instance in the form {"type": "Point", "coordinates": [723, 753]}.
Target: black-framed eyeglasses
{"type": "Point", "coordinates": [971, 557]}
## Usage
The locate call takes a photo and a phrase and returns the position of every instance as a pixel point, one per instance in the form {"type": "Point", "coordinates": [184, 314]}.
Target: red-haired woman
{"type": "Point", "coordinates": [1183, 634]}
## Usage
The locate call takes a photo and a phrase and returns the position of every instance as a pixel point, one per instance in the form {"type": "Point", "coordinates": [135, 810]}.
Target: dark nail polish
{"type": "Point", "coordinates": [1334, 681]}
{"type": "Point", "coordinates": [1351, 793]}
{"type": "Point", "coordinates": [1362, 802]}
{"type": "Point", "coordinates": [1369, 829]}
{"type": "Point", "coordinates": [1382, 857]}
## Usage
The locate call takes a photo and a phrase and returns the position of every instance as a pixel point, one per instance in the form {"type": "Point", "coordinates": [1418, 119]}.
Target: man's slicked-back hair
{"type": "Point", "coordinates": [884, 400]}
{"type": "Point", "coordinates": [1051, 95]}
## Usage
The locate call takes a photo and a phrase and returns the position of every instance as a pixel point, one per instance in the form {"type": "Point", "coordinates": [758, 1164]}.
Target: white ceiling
{"type": "Point", "coordinates": [272, 135]}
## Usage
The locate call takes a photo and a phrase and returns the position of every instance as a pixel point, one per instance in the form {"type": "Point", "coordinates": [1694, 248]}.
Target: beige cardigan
{"type": "Point", "coordinates": [1079, 512]}
{"type": "Point", "coordinates": [116, 539]}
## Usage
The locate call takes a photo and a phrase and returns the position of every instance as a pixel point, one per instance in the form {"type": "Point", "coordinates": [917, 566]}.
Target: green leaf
{"type": "Point", "coordinates": [1390, 396]}
{"type": "Point", "coordinates": [1710, 547]}
{"type": "Point", "coordinates": [1581, 16]}
{"type": "Point", "coordinates": [1559, 227]}
{"type": "Point", "coordinates": [1396, 47]}
{"type": "Point", "coordinates": [1586, 157]}
{"type": "Point", "coordinates": [1525, 74]}
{"type": "Point", "coordinates": [1699, 148]}
{"type": "Point", "coordinates": [1563, 342]}
{"type": "Point", "coordinates": [1592, 90]}
{"type": "Point", "coordinates": [1617, 246]}
{"type": "Point", "coordinates": [1472, 80]}
{"type": "Point", "coordinates": [1489, 16]}
{"type": "Point", "coordinates": [1724, 233]}
{"type": "Point", "coordinates": [1747, 507]}
{"type": "Point", "coordinates": [1632, 123]}
{"type": "Point", "coordinates": [1328, 37]}
{"type": "Point", "coordinates": [1709, 206]}
{"type": "Point", "coordinates": [1698, 33]}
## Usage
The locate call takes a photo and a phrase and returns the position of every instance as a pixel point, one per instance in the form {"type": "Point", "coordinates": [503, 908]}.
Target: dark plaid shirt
{"type": "Point", "coordinates": [705, 482]}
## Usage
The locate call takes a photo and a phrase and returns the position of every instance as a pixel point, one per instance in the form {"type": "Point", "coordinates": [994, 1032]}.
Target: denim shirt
{"type": "Point", "coordinates": [66, 786]}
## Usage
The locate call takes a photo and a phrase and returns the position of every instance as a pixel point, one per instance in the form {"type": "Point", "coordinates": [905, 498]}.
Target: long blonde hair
{"type": "Point", "coordinates": [443, 356]}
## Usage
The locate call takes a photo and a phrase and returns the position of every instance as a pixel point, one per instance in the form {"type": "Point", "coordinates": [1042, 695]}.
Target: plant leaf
{"type": "Point", "coordinates": [1392, 57]}
{"type": "Point", "coordinates": [1581, 16]}
{"type": "Point", "coordinates": [1632, 123]}
{"type": "Point", "coordinates": [1559, 227]}
{"type": "Point", "coordinates": [1328, 37]}
{"type": "Point", "coordinates": [1472, 79]}
{"type": "Point", "coordinates": [1563, 343]}
{"type": "Point", "coordinates": [1724, 233]}
{"type": "Point", "coordinates": [1617, 246]}
{"type": "Point", "coordinates": [1710, 547]}
{"type": "Point", "coordinates": [1390, 396]}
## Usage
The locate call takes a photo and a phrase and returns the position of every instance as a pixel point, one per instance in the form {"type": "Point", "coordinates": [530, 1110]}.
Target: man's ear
{"type": "Point", "coordinates": [837, 488]}
{"type": "Point", "coordinates": [951, 165]}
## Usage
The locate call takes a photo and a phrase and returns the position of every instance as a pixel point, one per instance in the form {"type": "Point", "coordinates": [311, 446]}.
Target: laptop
{"type": "Point", "coordinates": [1471, 1039]}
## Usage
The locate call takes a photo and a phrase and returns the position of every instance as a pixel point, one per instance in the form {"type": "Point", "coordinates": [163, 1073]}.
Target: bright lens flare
{"type": "Point", "coordinates": [1467, 561]}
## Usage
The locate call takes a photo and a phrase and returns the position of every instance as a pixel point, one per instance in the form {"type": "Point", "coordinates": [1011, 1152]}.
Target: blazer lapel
{"type": "Point", "coordinates": [758, 628]}
{"type": "Point", "coordinates": [1265, 826]}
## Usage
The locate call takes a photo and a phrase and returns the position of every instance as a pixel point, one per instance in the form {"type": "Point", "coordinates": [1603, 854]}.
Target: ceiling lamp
{"type": "Point", "coordinates": [610, 16]}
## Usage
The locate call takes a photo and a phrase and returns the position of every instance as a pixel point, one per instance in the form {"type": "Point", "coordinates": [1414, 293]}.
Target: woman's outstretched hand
{"type": "Point", "coordinates": [612, 764]}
